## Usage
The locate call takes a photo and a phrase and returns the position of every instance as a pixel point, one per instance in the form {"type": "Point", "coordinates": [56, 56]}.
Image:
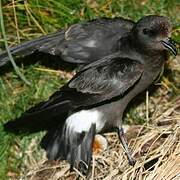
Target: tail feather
{"type": "Point", "coordinates": [37, 119]}
{"type": "Point", "coordinates": [76, 148]}
{"type": "Point", "coordinates": [42, 44]}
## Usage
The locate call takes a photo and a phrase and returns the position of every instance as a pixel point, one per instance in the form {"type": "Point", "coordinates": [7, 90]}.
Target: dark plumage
{"type": "Point", "coordinates": [94, 100]}
{"type": "Point", "coordinates": [79, 44]}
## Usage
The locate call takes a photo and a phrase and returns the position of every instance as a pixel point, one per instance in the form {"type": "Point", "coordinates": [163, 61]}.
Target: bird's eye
{"type": "Point", "coordinates": [149, 32]}
{"type": "Point", "coordinates": [145, 31]}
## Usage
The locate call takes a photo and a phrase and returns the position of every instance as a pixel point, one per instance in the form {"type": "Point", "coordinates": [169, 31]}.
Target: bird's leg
{"type": "Point", "coordinates": [125, 146]}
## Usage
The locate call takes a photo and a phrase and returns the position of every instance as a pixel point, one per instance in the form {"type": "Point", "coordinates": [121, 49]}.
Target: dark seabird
{"type": "Point", "coordinates": [94, 100]}
{"type": "Point", "coordinates": [79, 44]}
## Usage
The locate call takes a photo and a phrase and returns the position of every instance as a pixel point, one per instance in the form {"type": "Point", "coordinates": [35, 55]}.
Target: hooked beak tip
{"type": "Point", "coordinates": [170, 45]}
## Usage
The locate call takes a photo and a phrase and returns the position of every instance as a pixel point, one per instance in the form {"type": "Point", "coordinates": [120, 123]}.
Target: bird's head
{"type": "Point", "coordinates": [153, 33]}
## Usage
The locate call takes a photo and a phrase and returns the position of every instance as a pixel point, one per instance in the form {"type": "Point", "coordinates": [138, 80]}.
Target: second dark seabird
{"type": "Point", "coordinates": [94, 100]}
{"type": "Point", "coordinates": [80, 44]}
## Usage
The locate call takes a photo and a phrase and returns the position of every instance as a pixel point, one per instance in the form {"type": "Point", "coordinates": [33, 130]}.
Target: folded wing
{"type": "Point", "coordinates": [96, 84]}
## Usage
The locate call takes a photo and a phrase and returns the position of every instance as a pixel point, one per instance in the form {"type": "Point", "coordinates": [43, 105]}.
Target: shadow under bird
{"type": "Point", "coordinates": [94, 100]}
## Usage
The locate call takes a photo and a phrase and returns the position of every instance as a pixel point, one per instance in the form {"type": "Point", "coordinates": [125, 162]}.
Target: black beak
{"type": "Point", "coordinates": [170, 45]}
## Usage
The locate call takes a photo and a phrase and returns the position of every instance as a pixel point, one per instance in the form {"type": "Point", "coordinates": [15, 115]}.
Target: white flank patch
{"type": "Point", "coordinates": [82, 120]}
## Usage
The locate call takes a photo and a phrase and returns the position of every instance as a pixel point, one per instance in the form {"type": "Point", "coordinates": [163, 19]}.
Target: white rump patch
{"type": "Point", "coordinates": [82, 120]}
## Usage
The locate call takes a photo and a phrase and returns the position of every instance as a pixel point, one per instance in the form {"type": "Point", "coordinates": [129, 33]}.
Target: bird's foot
{"type": "Point", "coordinates": [125, 146]}
{"type": "Point", "coordinates": [131, 161]}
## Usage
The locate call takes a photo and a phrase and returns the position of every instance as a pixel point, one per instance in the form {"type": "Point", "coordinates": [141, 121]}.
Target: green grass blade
{"type": "Point", "coordinates": [7, 48]}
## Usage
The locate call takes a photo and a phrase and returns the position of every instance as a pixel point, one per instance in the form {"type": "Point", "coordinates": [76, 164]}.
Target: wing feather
{"type": "Point", "coordinates": [102, 81]}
